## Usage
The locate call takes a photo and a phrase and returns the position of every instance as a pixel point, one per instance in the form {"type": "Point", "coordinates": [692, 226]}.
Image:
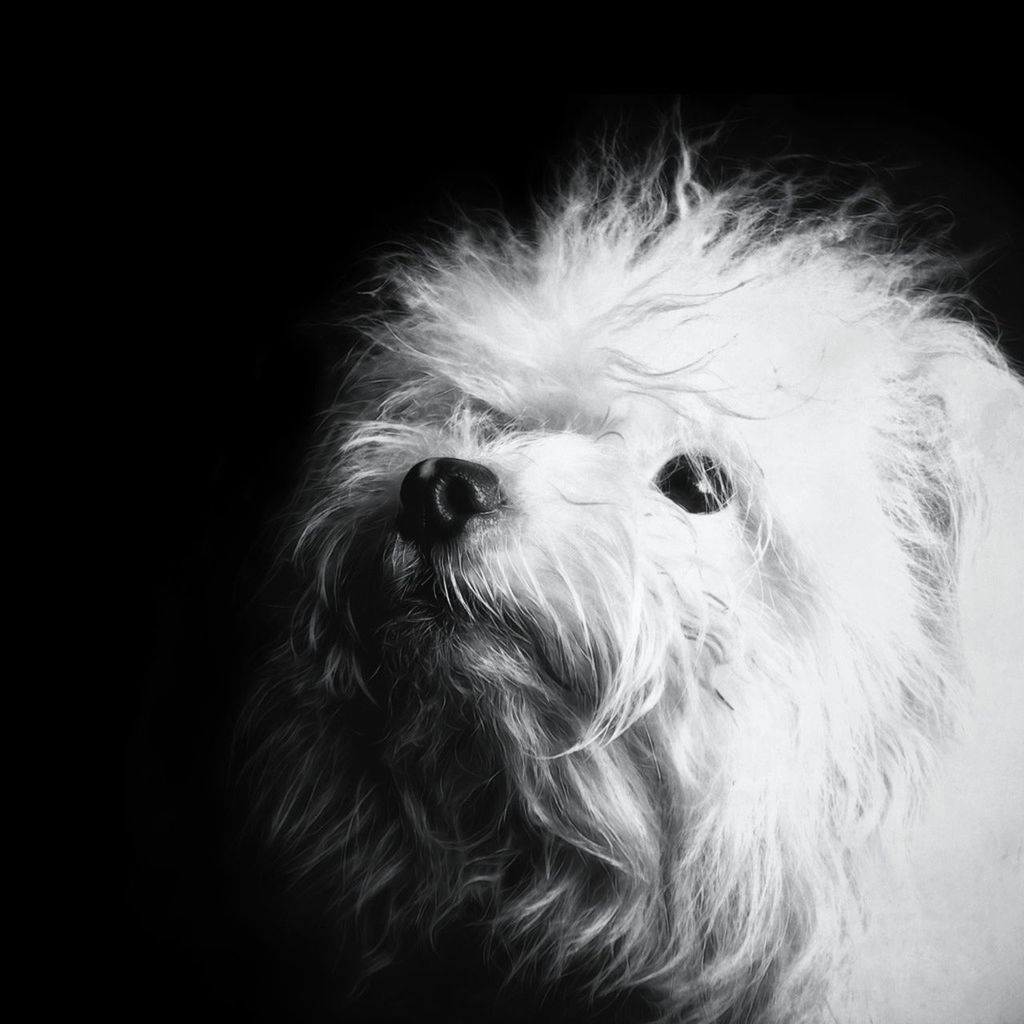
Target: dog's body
{"type": "Point", "coordinates": [657, 627]}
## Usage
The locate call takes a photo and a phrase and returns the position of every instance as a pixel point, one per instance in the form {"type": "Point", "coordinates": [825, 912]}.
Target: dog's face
{"type": "Point", "coordinates": [630, 560]}
{"type": "Point", "coordinates": [662, 508]}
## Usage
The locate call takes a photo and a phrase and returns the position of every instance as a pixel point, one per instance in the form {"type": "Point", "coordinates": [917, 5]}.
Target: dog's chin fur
{"type": "Point", "coordinates": [631, 747]}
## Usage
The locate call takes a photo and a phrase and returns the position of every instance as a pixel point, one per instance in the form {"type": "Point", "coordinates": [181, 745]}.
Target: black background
{"type": "Point", "coordinates": [246, 216]}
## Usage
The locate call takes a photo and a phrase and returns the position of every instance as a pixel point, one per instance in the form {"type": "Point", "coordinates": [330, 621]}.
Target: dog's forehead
{"type": "Point", "coordinates": [752, 361]}
{"type": "Point", "coordinates": [716, 342]}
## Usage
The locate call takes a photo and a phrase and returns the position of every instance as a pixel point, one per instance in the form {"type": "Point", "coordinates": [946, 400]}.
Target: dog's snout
{"type": "Point", "coordinates": [439, 496]}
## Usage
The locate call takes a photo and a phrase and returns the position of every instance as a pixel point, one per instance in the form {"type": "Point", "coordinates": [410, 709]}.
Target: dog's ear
{"type": "Point", "coordinates": [982, 403]}
{"type": "Point", "coordinates": [983, 412]}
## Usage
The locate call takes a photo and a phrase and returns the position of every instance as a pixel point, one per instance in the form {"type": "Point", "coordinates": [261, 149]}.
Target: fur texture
{"type": "Point", "coordinates": [645, 746]}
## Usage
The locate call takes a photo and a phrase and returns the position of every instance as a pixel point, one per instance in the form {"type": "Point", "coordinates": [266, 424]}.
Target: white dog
{"type": "Point", "coordinates": [661, 568]}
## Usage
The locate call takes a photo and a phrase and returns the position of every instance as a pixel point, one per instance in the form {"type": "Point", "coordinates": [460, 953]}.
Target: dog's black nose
{"type": "Point", "coordinates": [440, 495]}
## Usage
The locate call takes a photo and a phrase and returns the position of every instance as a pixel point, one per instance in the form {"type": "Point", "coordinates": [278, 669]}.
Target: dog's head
{"type": "Point", "coordinates": [630, 557]}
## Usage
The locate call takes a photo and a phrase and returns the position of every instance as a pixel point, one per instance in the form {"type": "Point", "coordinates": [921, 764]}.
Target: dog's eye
{"type": "Point", "coordinates": [695, 483]}
{"type": "Point", "coordinates": [489, 421]}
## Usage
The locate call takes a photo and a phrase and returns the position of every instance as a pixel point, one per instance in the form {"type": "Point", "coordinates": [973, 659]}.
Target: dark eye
{"type": "Point", "coordinates": [696, 483]}
{"type": "Point", "coordinates": [489, 422]}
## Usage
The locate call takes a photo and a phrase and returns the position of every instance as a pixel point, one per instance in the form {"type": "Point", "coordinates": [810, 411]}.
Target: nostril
{"type": "Point", "coordinates": [439, 496]}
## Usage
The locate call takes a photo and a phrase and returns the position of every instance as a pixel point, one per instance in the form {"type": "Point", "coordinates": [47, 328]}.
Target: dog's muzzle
{"type": "Point", "coordinates": [440, 496]}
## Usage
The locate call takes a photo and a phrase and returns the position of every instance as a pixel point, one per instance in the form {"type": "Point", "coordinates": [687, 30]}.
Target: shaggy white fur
{"type": "Point", "coordinates": [648, 555]}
